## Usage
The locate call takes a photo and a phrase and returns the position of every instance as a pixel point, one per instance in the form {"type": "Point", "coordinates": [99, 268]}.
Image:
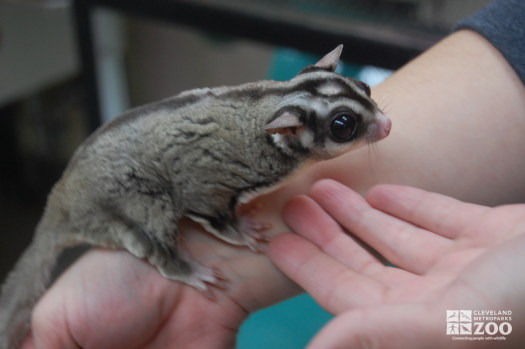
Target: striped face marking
{"type": "Point", "coordinates": [336, 114]}
{"type": "Point", "coordinates": [329, 88]}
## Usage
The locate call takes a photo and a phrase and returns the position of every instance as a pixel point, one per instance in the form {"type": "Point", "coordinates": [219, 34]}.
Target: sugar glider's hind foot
{"type": "Point", "coordinates": [194, 274]}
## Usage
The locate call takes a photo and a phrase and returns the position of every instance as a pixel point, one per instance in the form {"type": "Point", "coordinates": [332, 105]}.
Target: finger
{"type": "Point", "coordinates": [332, 284]}
{"type": "Point", "coordinates": [403, 244]}
{"type": "Point", "coordinates": [307, 218]}
{"type": "Point", "coordinates": [437, 213]}
{"type": "Point", "coordinates": [48, 330]}
{"type": "Point", "coordinates": [394, 326]}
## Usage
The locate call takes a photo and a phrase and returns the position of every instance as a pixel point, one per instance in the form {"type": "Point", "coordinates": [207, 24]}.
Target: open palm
{"type": "Point", "coordinates": [449, 255]}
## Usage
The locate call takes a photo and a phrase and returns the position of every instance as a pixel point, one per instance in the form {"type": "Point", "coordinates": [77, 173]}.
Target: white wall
{"type": "Point", "coordinates": [36, 49]}
{"type": "Point", "coordinates": [164, 59]}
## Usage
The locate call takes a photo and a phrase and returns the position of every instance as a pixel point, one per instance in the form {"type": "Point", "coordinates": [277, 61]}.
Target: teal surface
{"type": "Point", "coordinates": [287, 63]}
{"type": "Point", "coordinates": [290, 324]}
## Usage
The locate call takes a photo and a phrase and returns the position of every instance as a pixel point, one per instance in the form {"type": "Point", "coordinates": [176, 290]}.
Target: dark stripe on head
{"type": "Point", "coordinates": [313, 68]}
{"type": "Point", "coordinates": [308, 85]}
{"type": "Point", "coordinates": [348, 91]}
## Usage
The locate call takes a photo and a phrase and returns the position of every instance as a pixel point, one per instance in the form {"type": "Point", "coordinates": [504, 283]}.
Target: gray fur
{"type": "Point", "coordinates": [197, 154]}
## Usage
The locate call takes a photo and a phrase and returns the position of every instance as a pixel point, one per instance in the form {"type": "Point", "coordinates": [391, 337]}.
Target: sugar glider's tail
{"type": "Point", "coordinates": [25, 284]}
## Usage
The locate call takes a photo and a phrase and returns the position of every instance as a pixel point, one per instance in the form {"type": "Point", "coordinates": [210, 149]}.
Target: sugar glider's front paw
{"type": "Point", "coordinates": [253, 234]}
{"type": "Point", "coordinates": [252, 230]}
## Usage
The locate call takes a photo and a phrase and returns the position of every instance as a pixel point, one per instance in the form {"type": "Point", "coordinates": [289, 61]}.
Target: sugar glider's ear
{"type": "Point", "coordinates": [329, 62]}
{"type": "Point", "coordinates": [286, 122]}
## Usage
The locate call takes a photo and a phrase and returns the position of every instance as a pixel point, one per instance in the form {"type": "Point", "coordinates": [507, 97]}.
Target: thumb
{"type": "Point", "coordinates": [49, 328]}
{"type": "Point", "coordinates": [391, 326]}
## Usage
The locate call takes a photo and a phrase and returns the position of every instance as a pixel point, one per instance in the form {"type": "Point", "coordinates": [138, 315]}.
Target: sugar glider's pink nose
{"type": "Point", "coordinates": [385, 128]}
{"type": "Point", "coordinates": [380, 129]}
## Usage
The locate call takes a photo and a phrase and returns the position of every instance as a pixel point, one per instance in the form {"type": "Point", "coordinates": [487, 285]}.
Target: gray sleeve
{"type": "Point", "coordinates": [502, 22]}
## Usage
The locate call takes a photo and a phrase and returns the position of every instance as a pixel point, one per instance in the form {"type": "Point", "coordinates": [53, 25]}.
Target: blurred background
{"type": "Point", "coordinates": [67, 66]}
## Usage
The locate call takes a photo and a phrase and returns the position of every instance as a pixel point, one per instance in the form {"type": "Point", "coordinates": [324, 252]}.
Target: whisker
{"type": "Point", "coordinates": [371, 150]}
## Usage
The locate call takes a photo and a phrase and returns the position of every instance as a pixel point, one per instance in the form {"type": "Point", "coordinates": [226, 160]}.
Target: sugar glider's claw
{"type": "Point", "coordinates": [254, 238]}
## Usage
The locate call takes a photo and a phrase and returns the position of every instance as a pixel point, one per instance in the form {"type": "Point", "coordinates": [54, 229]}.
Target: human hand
{"type": "Point", "coordinates": [450, 255]}
{"type": "Point", "coordinates": [110, 299]}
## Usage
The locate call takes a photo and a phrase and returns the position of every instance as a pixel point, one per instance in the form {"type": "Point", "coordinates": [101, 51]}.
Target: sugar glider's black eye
{"type": "Point", "coordinates": [365, 88]}
{"type": "Point", "coordinates": [344, 127]}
